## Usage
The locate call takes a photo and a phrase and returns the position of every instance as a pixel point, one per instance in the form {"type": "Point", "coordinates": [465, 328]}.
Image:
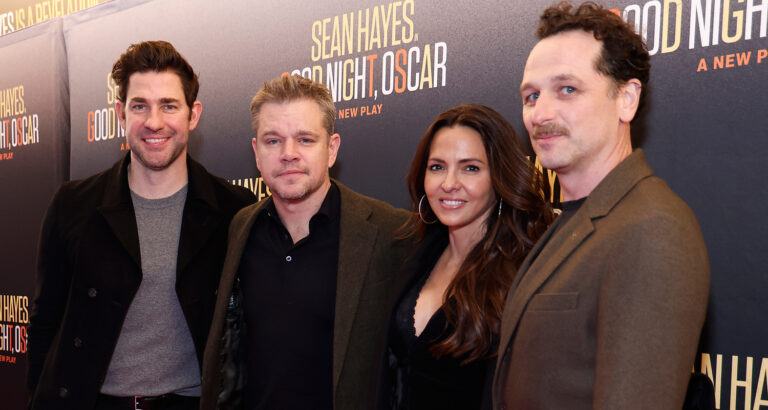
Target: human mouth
{"type": "Point", "coordinates": [289, 172]}
{"type": "Point", "coordinates": [155, 140]}
{"type": "Point", "coordinates": [452, 203]}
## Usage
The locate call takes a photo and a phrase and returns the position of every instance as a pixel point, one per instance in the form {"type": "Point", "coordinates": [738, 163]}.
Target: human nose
{"type": "Point", "coordinates": [289, 152]}
{"type": "Point", "coordinates": [451, 182]}
{"type": "Point", "coordinates": [543, 111]}
{"type": "Point", "coordinates": [154, 119]}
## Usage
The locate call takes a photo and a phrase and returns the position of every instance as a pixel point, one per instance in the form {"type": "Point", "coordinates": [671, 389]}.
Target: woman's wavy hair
{"type": "Point", "coordinates": [475, 297]}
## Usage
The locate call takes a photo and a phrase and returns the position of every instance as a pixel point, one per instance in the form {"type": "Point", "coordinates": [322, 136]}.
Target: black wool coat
{"type": "Point", "coordinates": [89, 270]}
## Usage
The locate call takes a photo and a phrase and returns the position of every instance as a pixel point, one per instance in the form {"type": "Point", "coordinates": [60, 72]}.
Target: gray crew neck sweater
{"type": "Point", "coordinates": [155, 353]}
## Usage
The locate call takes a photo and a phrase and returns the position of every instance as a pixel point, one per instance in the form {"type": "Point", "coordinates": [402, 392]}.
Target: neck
{"type": "Point", "coordinates": [295, 214]}
{"type": "Point", "coordinates": [579, 183]}
{"type": "Point", "coordinates": [152, 184]}
{"type": "Point", "coordinates": [462, 240]}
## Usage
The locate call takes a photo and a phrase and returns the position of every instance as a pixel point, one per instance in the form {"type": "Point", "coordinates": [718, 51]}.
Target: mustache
{"type": "Point", "coordinates": [550, 129]}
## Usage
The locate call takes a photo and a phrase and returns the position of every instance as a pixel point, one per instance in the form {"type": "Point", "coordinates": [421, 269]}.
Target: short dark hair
{"type": "Point", "coordinates": [624, 55]}
{"type": "Point", "coordinates": [155, 56]}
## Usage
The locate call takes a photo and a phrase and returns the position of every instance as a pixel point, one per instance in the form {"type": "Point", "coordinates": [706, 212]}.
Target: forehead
{"type": "Point", "coordinates": [164, 84]}
{"type": "Point", "coordinates": [571, 53]}
{"type": "Point", "coordinates": [459, 142]}
{"type": "Point", "coordinates": [300, 114]}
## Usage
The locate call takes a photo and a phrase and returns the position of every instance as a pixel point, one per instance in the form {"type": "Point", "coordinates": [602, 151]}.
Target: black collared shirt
{"type": "Point", "coordinates": [289, 294]}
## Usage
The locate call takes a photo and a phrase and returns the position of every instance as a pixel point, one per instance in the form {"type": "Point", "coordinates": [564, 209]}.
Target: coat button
{"type": "Point", "coordinates": [92, 293]}
{"type": "Point", "coordinates": [63, 392]}
{"type": "Point", "coordinates": [77, 342]}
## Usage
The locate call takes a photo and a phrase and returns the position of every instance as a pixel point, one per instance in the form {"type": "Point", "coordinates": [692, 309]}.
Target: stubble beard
{"type": "Point", "coordinates": [144, 157]}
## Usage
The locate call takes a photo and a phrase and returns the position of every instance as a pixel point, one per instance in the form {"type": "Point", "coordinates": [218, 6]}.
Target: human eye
{"type": "Point", "coordinates": [568, 90]}
{"type": "Point", "coordinates": [138, 107]}
{"type": "Point", "coordinates": [472, 168]}
{"type": "Point", "coordinates": [530, 98]}
{"type": "Point", "coordinates": [170, 107]}
{"type": "Point", "coordinates": [306, 140]}
{"type": "Point", "coordinates": [271, 141]}
{"type": "Point", "coordinates": [434, 167]}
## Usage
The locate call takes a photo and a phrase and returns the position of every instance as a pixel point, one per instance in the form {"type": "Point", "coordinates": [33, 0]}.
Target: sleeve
{"type": "Point", "coordinates": [652, 306]}
{"type": "Point", "coordinates": [53, 283]}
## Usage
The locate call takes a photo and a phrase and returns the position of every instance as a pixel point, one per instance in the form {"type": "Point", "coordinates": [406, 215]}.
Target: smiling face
{"type": "Point", "coordinates": [157, 120]}
{"type": "Point", "coordinates": [457, 181]}
{"type": "Point", "coordinates": [573, 113]}
{"type": "Point", "coordinates": [293, 149]}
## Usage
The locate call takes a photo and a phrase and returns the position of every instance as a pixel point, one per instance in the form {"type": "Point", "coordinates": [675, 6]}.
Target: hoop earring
{"type": "Point", "coordinates": [422, 216]}
{"type": "Point", "coordinates": [500, 204]}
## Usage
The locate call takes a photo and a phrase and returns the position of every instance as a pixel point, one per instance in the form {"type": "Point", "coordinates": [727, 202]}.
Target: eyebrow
{"type": "Point", "coordinates": [565, 77]}
{"type": "Point", "coordinates": [461, 161]}
{"type": "Point", "coordinates": [269, 132]}
{"type": "Point", "coordinates": [166, 100]}
{"type": "Point", "coordinates": [557, 78]}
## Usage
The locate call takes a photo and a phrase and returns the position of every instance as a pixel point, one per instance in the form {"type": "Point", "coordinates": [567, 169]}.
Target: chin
{"type": "Point", "coordinates": [290, 194]}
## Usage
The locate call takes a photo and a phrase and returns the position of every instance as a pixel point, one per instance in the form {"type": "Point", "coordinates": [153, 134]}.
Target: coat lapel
{"type": "Point", "coordinates": [357, 237]}
{"type": "Point", "coordinates": [201, 218]}
{"type": "Point", "coordinates": [553, 252]}
{"type": "Point", "coordinates": [240, 230]}
{"type": "Point", "coordinates": [117, 209]}
{"type": "Point", "coordinates": [554, 249]}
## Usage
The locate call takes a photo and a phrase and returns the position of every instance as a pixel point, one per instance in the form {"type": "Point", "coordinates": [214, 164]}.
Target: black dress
{"type": "Point", "coordinates": [419, 380]}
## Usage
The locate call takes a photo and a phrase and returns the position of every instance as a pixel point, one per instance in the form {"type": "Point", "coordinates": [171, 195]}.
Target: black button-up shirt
{"type": "Point", "coordinates": [289, 295]}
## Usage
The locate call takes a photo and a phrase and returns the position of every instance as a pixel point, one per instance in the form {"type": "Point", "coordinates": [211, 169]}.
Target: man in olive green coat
{"type": "Point", "coordinates": [307, 284]}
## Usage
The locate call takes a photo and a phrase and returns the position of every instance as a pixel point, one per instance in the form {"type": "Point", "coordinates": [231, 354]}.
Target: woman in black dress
{"type": "Point", "coordinates": [480, 208]}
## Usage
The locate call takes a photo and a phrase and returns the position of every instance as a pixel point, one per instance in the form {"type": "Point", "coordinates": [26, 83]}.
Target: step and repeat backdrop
{"type": "Point", "coordinates": [392, 66]}
{"type": "Point", "coordinates": [34, 152]}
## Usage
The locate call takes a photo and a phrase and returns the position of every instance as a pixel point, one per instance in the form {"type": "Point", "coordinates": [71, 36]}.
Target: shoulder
{"type": "Point", "coordinates": [658, 233]}
{"type": "Point", "coordinates": [230, 197]}
{"type": "Point", "coordinates": [653, 203]}
{"type": "Point", "coordinates": [379, 212]}
{"type": "Point", "coordinates": [248, 211]}
{"type": "Point", "coordinates": [236, 195]}
{"type": "Point", "coordinates": [83, 194]}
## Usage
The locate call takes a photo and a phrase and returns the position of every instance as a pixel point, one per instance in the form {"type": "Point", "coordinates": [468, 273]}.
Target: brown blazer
{"type": "Point", "coordinates": [608, 315]}
{"type": "Point", "coordinates": [369, 260]}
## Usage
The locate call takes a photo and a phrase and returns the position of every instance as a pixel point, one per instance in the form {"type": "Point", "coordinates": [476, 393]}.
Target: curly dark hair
{"type": "Point", "coordinates": [478, 290]}
{"type": "Point", "coordinates": [155, 56]}
{"type": "Point", "coordinates": [624, 55]}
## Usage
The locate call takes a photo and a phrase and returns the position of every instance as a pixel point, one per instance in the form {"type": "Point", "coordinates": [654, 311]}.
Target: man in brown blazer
{"type": "Point", "coordinates": [606, 311]}
{"type": "Point", "coordinates": [303, 302]}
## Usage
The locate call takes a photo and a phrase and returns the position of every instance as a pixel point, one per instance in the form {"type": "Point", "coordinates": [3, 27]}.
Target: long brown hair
{"type": "Point", "coordinates": [476, 294]}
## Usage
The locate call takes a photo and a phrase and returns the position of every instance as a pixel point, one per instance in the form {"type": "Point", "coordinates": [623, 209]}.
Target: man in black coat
{"type": "Point", "coordinates": [130, 258]}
